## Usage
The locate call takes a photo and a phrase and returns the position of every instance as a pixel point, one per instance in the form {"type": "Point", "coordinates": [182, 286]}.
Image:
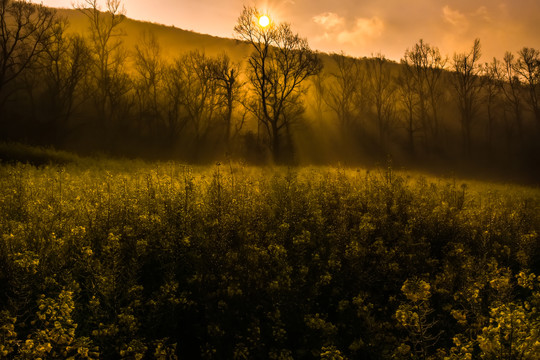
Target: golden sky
{"type": "Point", "coordinates": [364, 27]}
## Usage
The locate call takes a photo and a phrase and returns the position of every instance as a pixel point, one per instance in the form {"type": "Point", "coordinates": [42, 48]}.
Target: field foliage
{"type": "Point", "coordinates": [136, 260]}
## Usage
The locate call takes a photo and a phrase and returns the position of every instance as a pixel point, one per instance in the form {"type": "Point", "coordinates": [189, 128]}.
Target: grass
{"type": "Point", "coordinates": [21, 153]}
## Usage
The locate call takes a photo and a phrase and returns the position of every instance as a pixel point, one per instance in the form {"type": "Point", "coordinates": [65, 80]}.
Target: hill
{"type": "Point", "coordinates": [174, 41]}
{"type": "Point", "coordinates": [354, 111]}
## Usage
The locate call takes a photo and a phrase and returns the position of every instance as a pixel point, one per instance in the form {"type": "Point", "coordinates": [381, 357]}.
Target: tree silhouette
{"type": "Point", "coordinates": [512, 89]}
{"type": "Point", "coordinates": [408, 98]}
{"type": "Point", "coordinates": [198, 94]}
{"type": "Point", "coordinates": [63, 69]}
{"type": "Point", "coordinates": [149, 69]}
{"type": "Point", "coordinates": [382, 91]}
{"type": "Point", "coordinates": [279, 64]}
{"type": "Point", "coordinates": [427, 65]}
{"type": "Point", "coordinates": [345, 93]}
{"type": "Point", "coordinates": [226, 75]}
{"type": "Point", "coordinates": [467, 85]}
{"type": "Point", "coordinates": [528, 66]}
{"type": "Point", "coordinates": [492, 90]}
{"type": "Point", "coordinates": [111, 82]}
{"type": "Point", "coordinates": [25, 32]}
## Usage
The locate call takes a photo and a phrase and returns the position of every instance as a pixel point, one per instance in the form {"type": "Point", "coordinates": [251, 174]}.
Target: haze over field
{"type": "Point", "coordinates": [361, 28]}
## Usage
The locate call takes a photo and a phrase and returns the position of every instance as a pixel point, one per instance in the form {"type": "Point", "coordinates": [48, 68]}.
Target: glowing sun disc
{"type": "Point", "coordinates": [264, 21]}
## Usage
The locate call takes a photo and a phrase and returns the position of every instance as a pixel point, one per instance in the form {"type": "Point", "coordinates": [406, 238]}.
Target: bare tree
{"type": "Point", "coordinates": [467, 85]}
{"type": "Point", "coordinates": [408, 98]}
{"type": "Point", "coordinates": [344, 92]}
{"type": "Point", "coordinates": [148, 65]}
{"type": "Point", "coordinates": [427, 65]}
{"type": "Point", "coordinates": [279, 64]}
{"type": "Point", "coordinates": [198, 95]}
{"type": "Point", "coordinates": [64, 67]}
{"type": "Point", "coordinates": [512, 91]}
{"type": "Point", "coordinates": [175, 118]}
{"type": "Point", "coordinates": [382, 91]}
{"type": "Point", "coordinates": [319, 93]}
{"type": "Point", "coordinates": [25, 32]}
{"type": "Point", "coordinates": [226, 75]}
{"type": "Point", "coordinates": [528, 66]}
{"type": "Point", "coordinates": [492, 90]}
{"type": "Point", "coordinates": [111, 82]}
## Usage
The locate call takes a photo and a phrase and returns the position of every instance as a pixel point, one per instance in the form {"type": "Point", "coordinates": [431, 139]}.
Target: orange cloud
{"type": "Point", "coordinates": [329, 20]}
{"type": "Point", "coordinates": [335, 28]}
{"type": "Point", "coordinates": [364, 29]}
{"type": "Point", "coordinates": [455, 17]}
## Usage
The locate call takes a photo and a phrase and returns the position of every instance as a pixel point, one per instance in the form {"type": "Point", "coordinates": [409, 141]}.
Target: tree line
{"type": "Point", "coordinates": [90, 91]}
{"type": "Point", "coordinates": [433, 106]}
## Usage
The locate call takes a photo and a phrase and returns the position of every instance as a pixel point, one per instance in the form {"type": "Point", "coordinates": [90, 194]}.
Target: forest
{"type": "Point", "coordinates": [95, 89]}
{"type": "Point", "coordinates": [256, 199]}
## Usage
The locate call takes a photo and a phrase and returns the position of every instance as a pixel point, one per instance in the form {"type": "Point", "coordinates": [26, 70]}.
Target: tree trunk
{"type": "Point", "coordinates": [276, 143]}
{"type": "Point", "coordinates": [411, 135]}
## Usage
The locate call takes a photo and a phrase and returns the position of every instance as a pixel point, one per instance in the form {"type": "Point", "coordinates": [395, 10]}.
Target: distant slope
{"type": "Point", "coordinates": [174, 41]}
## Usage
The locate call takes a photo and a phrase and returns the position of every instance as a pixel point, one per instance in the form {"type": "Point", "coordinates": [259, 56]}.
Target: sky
{"type": "Point", "coordinates": [363, 27]}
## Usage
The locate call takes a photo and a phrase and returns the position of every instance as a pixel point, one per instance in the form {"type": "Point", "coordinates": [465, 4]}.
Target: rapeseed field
{"type": "Point", "coordinates": [133, 260]}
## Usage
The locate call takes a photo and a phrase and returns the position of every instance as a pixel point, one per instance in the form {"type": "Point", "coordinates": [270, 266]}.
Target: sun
{"type": "Point", "coordinates": [264, 21]}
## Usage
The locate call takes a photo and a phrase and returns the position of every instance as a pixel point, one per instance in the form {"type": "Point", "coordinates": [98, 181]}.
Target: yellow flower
{"type": "Point", "coordinates": [416, 290]}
